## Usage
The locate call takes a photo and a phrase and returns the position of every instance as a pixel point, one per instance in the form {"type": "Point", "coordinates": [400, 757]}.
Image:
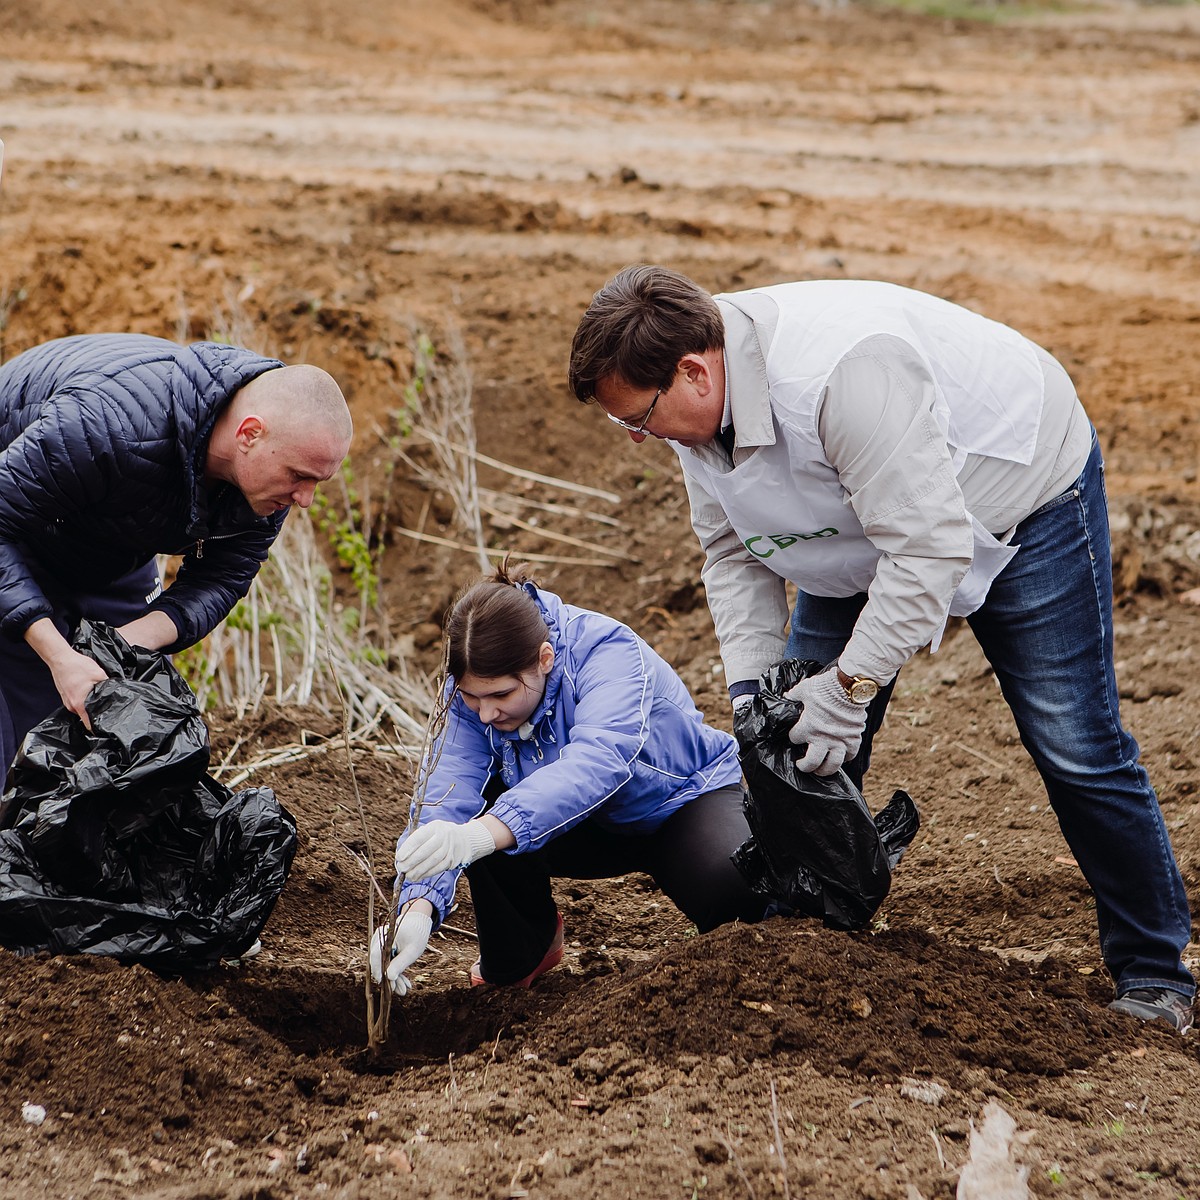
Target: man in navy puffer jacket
{"type": "Point", "coordinates": [117, 447]}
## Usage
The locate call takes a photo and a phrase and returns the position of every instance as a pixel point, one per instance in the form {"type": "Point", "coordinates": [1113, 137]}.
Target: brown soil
{"type": "Point", "coordinates": [320, 176]}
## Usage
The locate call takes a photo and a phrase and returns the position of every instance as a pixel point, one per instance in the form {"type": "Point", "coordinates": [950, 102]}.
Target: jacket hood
{"type": "Point", "coordinates": [551, 608]}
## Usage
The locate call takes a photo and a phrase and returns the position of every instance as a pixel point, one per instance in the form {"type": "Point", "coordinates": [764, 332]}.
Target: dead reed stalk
{"type": "Point", "coordinates": [438, 406]}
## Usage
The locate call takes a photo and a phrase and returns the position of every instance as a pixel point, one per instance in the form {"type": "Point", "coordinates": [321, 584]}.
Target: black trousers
{"type": "Point", "coordinates": [27, 692]}
{"type": "Point", "coordinates": [687, 856]}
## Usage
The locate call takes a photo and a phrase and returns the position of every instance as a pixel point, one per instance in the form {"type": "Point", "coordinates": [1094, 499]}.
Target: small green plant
{"type": "Point", "coordinates": [199, 671]}
{"type": "Point", "coordinates": [349, 540]}
{"type": "Point", "coordinates": [1055, 1175]}
{"type": "Point", "coordinates": [990, 12]}
{"type": "Point", "coordinates": [1114, 1128]}
{"type": "Point", "coordinates": [241, 617]}
{"type": "Point", "coordinates": [413, 393]}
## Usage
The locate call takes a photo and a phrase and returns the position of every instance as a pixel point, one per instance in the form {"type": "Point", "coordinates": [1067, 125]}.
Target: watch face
{"type": "Point", "coordinates": [863, 691]}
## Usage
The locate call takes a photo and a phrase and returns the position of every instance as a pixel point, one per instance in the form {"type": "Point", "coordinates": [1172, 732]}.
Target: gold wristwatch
{"type": "Point", "coordinates": [859, 688]}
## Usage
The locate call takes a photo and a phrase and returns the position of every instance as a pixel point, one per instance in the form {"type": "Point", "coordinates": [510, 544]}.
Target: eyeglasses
{"type": "Point", "coordinates": [638, 426]}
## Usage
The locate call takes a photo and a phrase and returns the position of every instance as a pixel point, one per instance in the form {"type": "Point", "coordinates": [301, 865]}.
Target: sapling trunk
{"type": "Point", "coordinates": [379, 996]}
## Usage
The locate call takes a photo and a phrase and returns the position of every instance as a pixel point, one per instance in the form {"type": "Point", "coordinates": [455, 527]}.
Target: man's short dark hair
{"type": "Point", "coordinates": [638, 326]}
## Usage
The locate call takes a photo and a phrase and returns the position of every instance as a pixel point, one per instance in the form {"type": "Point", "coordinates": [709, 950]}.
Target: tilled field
{"type": "Point", "coordinates": [323, 179]}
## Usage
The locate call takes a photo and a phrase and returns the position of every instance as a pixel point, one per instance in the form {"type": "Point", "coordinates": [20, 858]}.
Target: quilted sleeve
{"type": "Point", "coordinates": [212, 579]}
{"type": "Point", "coordinates": [61, 465]}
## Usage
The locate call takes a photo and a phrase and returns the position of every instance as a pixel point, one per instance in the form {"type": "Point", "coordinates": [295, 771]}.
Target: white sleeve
{"type": "Point", "coordinates": [748, 602]}
{"type": "Point", "coordinates": [880, 433]}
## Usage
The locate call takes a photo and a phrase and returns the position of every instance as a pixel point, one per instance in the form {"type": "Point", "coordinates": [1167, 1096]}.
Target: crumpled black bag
{"type": "Point", "coordinates": [814, 845]}
{"type": "Point", "coordinates": [117, 841]}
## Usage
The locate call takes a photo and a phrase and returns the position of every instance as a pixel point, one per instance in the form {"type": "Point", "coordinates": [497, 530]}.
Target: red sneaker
{"type": "Point", "coordinates": [552, 958]}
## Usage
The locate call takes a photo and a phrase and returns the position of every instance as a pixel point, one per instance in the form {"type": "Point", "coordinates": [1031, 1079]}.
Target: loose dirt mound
{"type": "Point", "coordinates": [321, 181]}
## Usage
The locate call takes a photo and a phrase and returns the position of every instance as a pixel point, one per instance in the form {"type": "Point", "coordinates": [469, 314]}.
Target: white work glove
{"type": "Point", "coordinates": [740, 702]}
{"type": "Point", "coordinates": [441, 845]}
{"type": "Point", "coordinates": [410, 942]}
{"type": "Point", "coordinates": [831, 725]}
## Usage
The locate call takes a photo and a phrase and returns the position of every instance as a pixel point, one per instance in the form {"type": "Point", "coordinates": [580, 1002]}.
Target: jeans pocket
{"type": "Point", "coordinates": [1072, 493]}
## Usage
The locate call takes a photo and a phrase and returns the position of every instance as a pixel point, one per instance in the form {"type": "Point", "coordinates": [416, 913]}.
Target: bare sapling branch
{"type": "Point", "coordinates": [379, 1002]}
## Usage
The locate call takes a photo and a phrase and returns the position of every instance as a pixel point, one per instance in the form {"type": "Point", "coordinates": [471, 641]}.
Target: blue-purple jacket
{"type": "Point", "coordinates": [617, 738]}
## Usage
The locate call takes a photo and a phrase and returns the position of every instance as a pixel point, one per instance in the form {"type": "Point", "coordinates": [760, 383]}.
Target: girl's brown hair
{"type": "Point", "coordinates": [495, 627]}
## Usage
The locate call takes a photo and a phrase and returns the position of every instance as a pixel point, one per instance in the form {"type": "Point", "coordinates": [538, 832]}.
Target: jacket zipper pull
{"type": "Point", "coordinates": [199, 547]}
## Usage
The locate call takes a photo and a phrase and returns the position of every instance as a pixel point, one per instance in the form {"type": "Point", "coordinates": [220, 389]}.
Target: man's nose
{"type": "Point", "coordinates": [637, 437]}
{"type": "Point", "coordinates": [303, 495]}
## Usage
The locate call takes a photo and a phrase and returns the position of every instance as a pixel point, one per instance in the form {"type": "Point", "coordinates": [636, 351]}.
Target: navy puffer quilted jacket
{"type": "Point", "coordinates": [102, 445]}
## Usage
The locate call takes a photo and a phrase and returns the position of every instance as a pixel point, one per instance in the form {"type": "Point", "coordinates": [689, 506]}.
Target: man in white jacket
{"type": "Point", "coordinates": [901, 460]}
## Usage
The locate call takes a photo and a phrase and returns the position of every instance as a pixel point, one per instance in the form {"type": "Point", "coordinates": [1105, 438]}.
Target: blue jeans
{"type": "Point", "coordinates": [1046, 628]}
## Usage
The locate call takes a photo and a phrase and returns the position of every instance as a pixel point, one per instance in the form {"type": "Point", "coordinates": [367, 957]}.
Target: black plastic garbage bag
{"type": "Point", "coordinates": [117, 842]}
{"type": "Point", "coordinates": [814, 845]}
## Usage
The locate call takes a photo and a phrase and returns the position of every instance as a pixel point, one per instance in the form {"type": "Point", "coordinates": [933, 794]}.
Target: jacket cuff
{"type": "Point", "coordinates": [426, 890]}
{"type": "Point", "coordinates": [748, 665]}
{"type": "Point", "coordinates": [854, 661]}
{"type": "Point", "coordinates": [179, 618]}
{"type": "Point", "coordinates": [505, 812]}
{"type": "Point", "coordinates": [19, 619]}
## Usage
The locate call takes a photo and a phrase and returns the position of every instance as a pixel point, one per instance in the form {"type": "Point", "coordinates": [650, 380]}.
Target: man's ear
{"type": "Point", "coordinates": [697, 371]}
{"type": "Point", "coordinates": [248, 432]}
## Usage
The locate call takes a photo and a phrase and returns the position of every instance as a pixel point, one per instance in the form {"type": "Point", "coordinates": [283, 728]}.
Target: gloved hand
{"type": "Point", "coordinates": [831, 725]}
{"type": "Point", "coordinates": [410, 942]}
{"type": "Point", "coordinates": [443, 844]}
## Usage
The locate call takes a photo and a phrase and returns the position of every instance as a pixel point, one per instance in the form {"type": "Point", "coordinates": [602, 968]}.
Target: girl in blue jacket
{"type": "Point", "coordinates": [571, 749]}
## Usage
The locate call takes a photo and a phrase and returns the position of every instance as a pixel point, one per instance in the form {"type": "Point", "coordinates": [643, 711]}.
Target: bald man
{"type": "Point", "coordinates": [115, 448]}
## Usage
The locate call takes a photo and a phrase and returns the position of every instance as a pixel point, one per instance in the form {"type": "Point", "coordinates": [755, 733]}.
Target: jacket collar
{"type": "Point", "coordinates": [750, 320]}
{"type": "Point", "coordinates": [202, 384]}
